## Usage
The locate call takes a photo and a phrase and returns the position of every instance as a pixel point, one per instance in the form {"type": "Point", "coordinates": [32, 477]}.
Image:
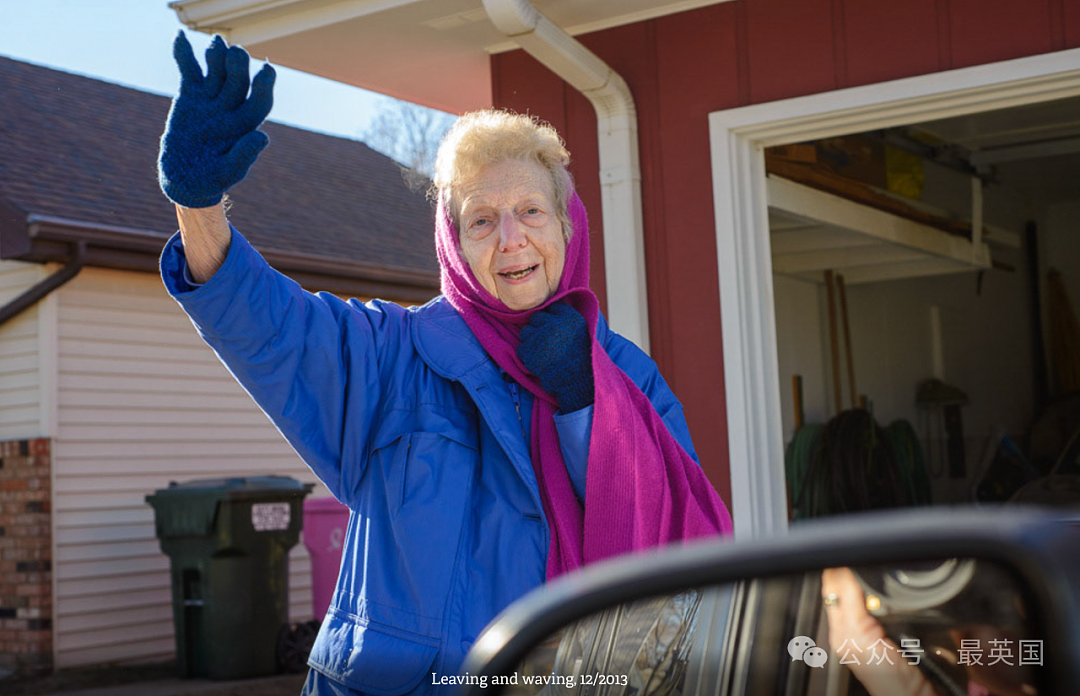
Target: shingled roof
{"type": "Point", "coordinates": [78, 163]}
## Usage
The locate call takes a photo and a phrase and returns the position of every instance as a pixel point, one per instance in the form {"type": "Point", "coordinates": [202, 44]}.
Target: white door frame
{"type": "Point", "coordinates": [738, 138]}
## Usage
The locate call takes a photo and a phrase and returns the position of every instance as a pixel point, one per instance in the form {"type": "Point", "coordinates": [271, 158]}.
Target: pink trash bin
{"type": "Point", "coordinates": [325, 520]}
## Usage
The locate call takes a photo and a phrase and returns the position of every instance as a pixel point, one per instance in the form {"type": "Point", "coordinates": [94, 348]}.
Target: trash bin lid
{"type": "Point", "coordinates": [237, 485]}
{"type": "Point", "coordinates": [189, 508]}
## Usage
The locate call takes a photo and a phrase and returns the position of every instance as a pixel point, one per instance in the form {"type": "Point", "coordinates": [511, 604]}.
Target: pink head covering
{"type": "Point", "coordinates": [642, 488]}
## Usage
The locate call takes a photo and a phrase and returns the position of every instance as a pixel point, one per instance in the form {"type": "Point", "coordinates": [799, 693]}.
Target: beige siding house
{"type": "Point", "coordinates": [22, 414]}
{"type": "Point", "coordinates": [107, 393]}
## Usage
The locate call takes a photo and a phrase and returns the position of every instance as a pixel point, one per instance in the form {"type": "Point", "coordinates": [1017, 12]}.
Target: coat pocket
{"type": "Point", "coordinates": [421, 469]}
{"type": "Point", "coordinates": [408, 529]}
{"type": "Point", "coordinates": [372, 658]}
{"type": "Point", "coordinates": [433, 463]}
{"type": "Point", "coordinates": [431, 514]}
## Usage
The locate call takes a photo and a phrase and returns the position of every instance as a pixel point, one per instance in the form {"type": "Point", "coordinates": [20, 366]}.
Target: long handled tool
{"type": "Point", "coordinates": [847, 343]}
{"type": "Point", "coordinates": [796, 391]}
{"type": "Point", "coordinates": [834, 346]}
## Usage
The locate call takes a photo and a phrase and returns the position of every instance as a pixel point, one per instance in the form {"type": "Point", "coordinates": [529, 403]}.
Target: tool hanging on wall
{"type": "Point", "coordinates": [834, 344]}
{"type": "Point", "coordinates": [1064, 337]}
{"type": "Point", "coordinates": [796, 391]}
{"type": "Point", "coordinates": [834, 284]}
{"type": "Point", "coordinates": [792, 478]}
{"type": "Point", "coordinates": [942, 402]}
{"type": "Point", "coordinates": [847, 342]}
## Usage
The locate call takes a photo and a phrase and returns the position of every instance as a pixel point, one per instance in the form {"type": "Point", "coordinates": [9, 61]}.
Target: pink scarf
{"type": "Point", "coordinates": [643, 489]}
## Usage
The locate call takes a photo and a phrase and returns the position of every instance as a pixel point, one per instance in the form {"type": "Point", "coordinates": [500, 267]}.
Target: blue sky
{"type": "Point", "coordinates": [130, 42]}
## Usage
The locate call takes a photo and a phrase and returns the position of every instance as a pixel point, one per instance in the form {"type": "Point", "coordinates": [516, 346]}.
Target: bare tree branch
{"type": "Point", "coordinates": [410, 134]}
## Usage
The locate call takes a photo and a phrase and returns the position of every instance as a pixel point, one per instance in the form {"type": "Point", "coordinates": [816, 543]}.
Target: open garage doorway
{"type": "Point", "coordinates": [920, 274]}
{"type": "Point", "coordinates": [953, 288]}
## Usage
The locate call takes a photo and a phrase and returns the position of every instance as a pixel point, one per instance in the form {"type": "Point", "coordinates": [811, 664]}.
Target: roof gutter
{"type": "Point", "coordinates": [620, 169]}
{"type": "Point", "coordinates": [41, 289]}
{"type": "Point", "coordinates": [50, 239]}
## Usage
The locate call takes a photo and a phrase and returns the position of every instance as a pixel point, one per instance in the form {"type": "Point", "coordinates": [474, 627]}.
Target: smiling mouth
{"type": "Point", "coordinates": [518, 275]}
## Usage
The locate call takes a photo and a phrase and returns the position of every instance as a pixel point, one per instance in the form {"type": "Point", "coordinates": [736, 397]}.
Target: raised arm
{"type": "Point", "coordinates": [311, 362]}
{"type": "Point", "coordinates": [211, 140]}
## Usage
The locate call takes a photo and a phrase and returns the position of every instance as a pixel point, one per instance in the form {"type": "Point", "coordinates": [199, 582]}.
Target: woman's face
{"type": "Point", "coordinates": [511, 236]}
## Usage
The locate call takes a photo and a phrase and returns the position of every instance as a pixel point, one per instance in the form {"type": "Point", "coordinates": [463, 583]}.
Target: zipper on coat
{"type": "Point", "coordinates": [517, 404]}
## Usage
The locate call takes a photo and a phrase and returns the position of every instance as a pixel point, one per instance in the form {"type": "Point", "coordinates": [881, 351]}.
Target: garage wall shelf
{"type": "Point", "coordinates": [812, 231]}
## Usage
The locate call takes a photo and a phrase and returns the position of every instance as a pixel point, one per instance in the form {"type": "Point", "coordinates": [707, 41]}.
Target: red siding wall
{"type": "Point", "coordinates": [684, 66]}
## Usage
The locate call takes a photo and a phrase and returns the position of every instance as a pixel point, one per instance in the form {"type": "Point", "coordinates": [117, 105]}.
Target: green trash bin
{"type": "Point", "coordinates": [228, 542]}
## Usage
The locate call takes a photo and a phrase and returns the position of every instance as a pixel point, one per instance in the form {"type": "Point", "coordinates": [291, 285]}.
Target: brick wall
{"type": "Point", "coordinates": [25, 558]}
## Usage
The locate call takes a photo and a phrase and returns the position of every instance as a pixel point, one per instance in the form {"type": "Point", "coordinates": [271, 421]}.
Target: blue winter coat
{"type": "Point", "coordinates": [405, 418]}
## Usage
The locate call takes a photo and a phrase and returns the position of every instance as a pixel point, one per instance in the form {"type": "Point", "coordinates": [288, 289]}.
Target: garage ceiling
{"type": "Point", "coordinates": [1034, 149]}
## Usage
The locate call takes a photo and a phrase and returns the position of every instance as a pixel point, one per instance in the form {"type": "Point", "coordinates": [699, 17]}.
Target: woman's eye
{"type": "Point", "coordinates": [480, 228]}
{"type": "Point", "coordinates": [480, 225]}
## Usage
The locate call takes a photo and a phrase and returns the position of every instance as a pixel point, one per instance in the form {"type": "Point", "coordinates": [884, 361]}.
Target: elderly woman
{"type": "Point", "coordinates": [496, 437]}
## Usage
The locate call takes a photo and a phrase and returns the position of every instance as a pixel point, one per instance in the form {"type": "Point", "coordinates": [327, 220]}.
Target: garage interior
{"type": "Point", "coordinates": [926, 275]}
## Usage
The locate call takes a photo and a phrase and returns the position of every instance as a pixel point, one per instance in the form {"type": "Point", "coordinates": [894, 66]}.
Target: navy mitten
{"type": "Point", "coordinates": [211, 137]}
{"type": "Point", "coordinates": [556, 347]}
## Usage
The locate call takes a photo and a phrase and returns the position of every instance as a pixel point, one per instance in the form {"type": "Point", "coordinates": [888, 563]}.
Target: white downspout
{"type": "Point", "coordinates": [620, 169]}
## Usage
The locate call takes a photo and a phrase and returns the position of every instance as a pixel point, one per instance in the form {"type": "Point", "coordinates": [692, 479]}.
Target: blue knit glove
{"type": "Point", "coordinates": [210, 139]}
{"type": "Point", "coordinates": [556, 347]}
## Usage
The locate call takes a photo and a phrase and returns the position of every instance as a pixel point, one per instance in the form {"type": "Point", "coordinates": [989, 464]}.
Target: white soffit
{"type": "Point", "coordinates": [432, 52]}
